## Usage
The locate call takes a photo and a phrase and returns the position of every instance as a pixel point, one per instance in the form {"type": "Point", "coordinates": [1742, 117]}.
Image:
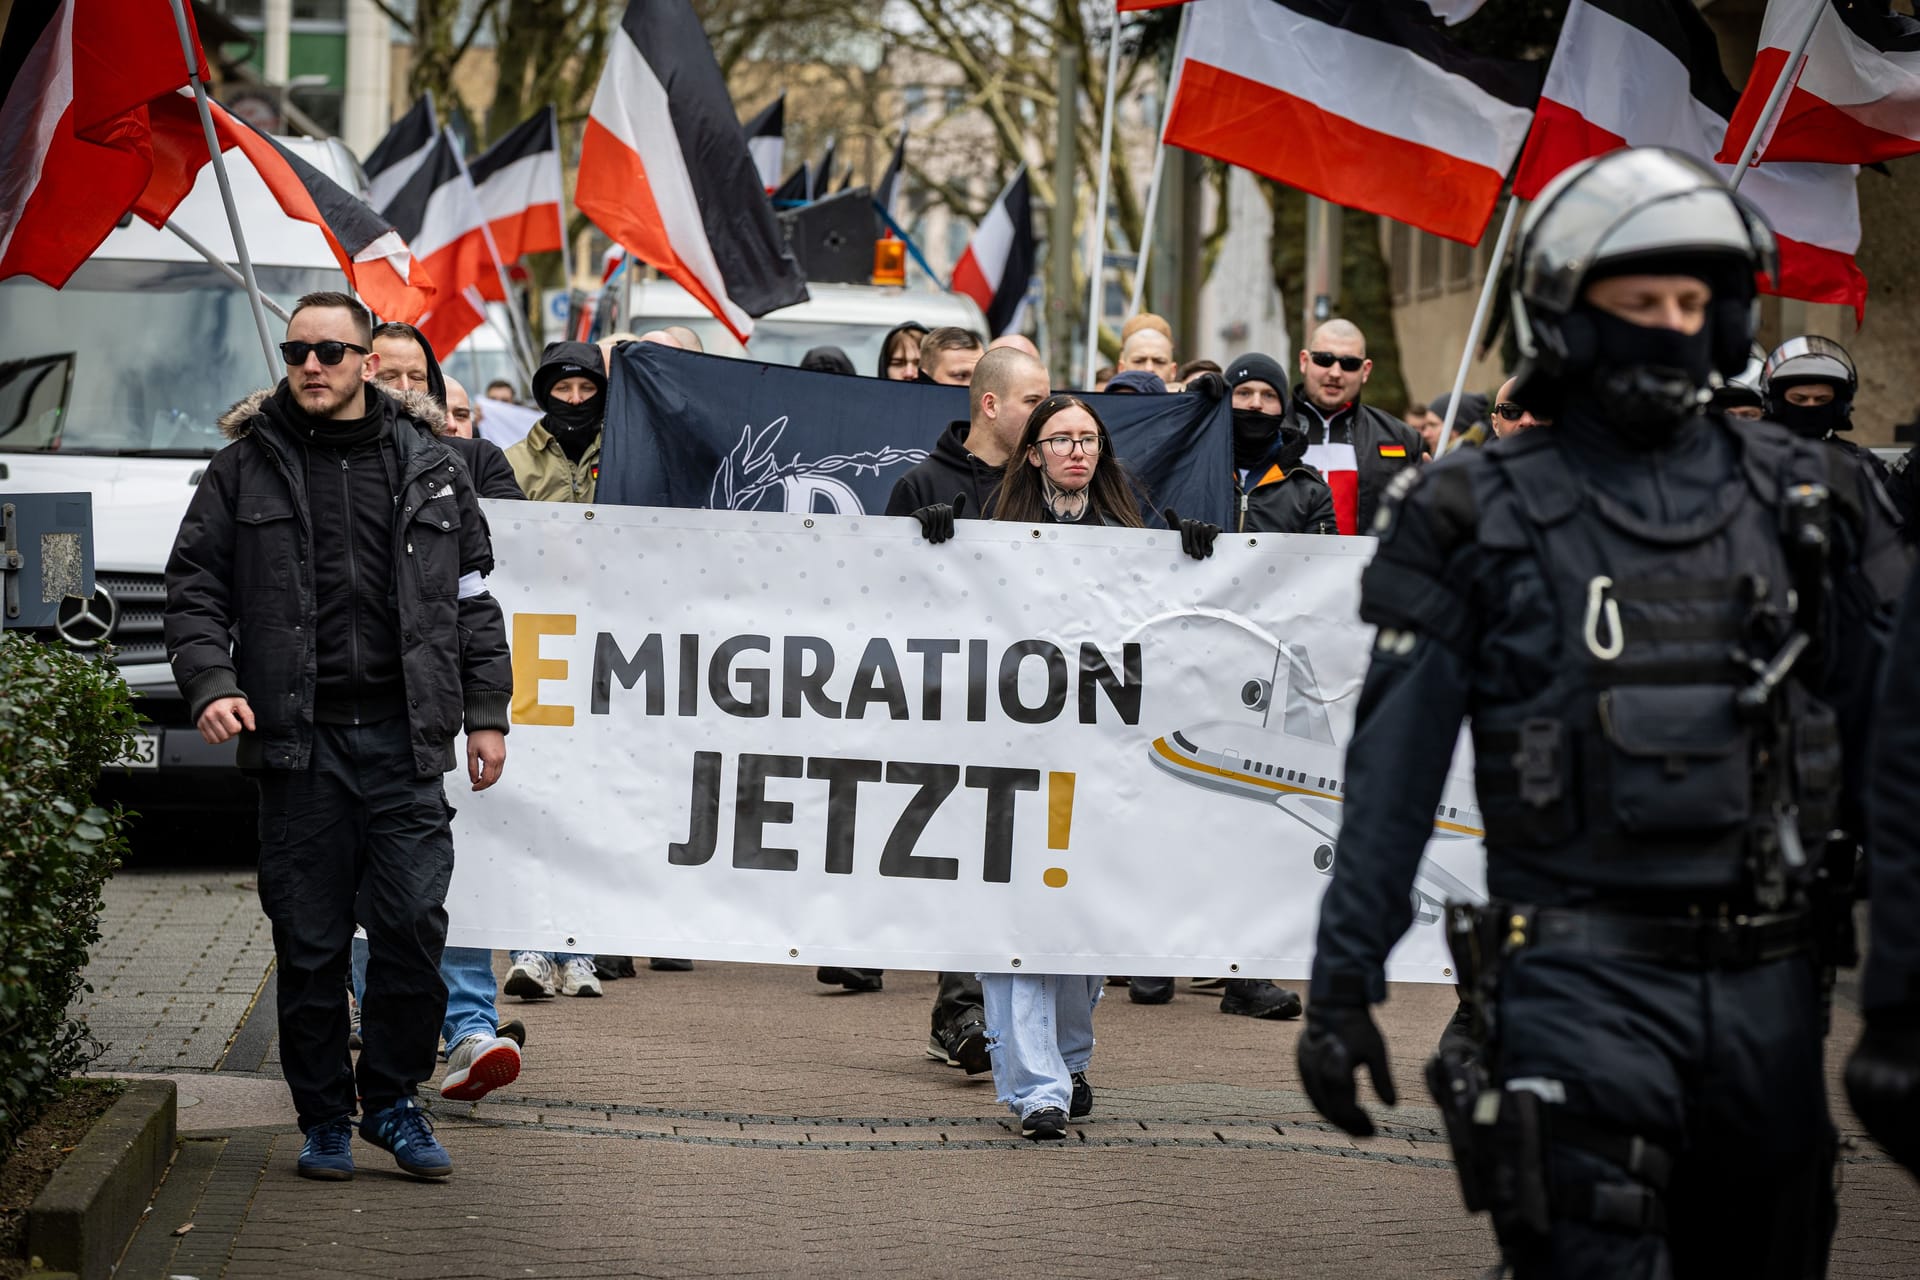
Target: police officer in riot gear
{"type": "Point", "coordinates": [1809, 384]}
{"type": "Point", "coordinates": [1639, 608]}
{"type": "Point", "coordinates": [1739, 396]}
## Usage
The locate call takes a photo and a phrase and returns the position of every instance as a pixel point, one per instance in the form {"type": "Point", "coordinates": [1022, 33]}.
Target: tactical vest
{"type": "Point", "coordinates": [1651, 762]}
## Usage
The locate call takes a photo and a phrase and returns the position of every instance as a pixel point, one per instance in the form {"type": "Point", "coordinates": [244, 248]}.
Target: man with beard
{"type": "Point", "coordinates": [327, 605]}
{"type": "Point", "coordinates": [1356, 447]}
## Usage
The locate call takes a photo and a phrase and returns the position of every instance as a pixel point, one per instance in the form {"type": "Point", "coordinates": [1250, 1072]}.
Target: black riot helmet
{"type": "Point", "coordinates": [1811, 359]}
{"type": "Point", "coordinates": [1639, 210]}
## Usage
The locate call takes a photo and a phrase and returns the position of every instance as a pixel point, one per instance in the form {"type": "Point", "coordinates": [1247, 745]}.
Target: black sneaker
{"type": "Point", "coordinates": [663, 965]}
{"type": "Point", "coordinates": [1048, 1124]}
{"type": "Point", "coordinates": [1082, 1104]}
{"type": "Point", "coordinates": [970, 1046]}
{"type": "Point", "coordinates": [610, 968]}
{"type": "Point", "coordinates": [1259, 998]}
{"type": "Point", "coordinates": [514, 1030]}
{"type": "Point", "coordinates": [1150, 990]}
{"type": "Point", "coordinates": [851, 979]}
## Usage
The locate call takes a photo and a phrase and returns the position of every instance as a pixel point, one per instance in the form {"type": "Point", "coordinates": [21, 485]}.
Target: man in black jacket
{"type": "Point", "coordinates": [327, 605]}
{"type": "Point", "coordinates": [407, 363]}
{"type": "Point", "coordinates": [1278, 491]}
{"type": "Point", "coordinates": [1356, 447]}
{"type": "Point", "coordinates": [959, 481]}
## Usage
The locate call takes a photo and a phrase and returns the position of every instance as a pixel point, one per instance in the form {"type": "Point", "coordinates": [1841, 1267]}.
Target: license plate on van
{"type": "Point", "coordinates": [143, 754]}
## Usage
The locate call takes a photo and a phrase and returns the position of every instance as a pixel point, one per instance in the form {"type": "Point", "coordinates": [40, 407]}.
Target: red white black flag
{"type": "Point", "coordinates": [78, 146]}
{"type": "Point", "coordinates": [439, 214]}
{"type": "Point", "coordinates": [767, 141]}
{"type": "Point", "coordinates": [1855, 96]}
{"type": "Point", "coordinates": [521, 191]}
{"type": "Point", "coordinates": [1637, 73]}
{"type": "Point", "coordinates": [998, 264]}
{"type": "Point", "coordinates": [396, 157]}
{"type": "Point", "coordinates": [1366, 105]}
{"type": "Point", "coordinates": [665, 170]}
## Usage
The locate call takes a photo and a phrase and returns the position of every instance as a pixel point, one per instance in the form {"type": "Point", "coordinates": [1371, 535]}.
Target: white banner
{"type": "Point", "coordinates": [818, 740]}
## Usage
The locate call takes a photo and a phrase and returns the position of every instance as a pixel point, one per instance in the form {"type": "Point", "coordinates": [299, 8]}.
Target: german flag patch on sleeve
{"type": "Point", "coordinates": [1393, 451]}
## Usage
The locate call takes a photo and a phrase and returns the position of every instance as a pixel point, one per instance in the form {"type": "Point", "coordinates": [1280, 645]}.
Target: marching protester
{"type": "Point", "coordinates": [900, 352]}
{"type": "Point", "coordinates": [345, 660]}
{"type": "Point", "coordinates": [559, 461]}
{"type": "Point", "coordinates": [461, 419]}
{"type": "Point", "coordinates": [1015, 342]}
{"type": "Point", "coordinates": [1471, 428]}
{"type": "Point", "coordinates": [1150, 350]}
{"type": "Point", "coordinates": [1062, 470]}
{"type": "Point", "coordinates": [1136, 382]}
{"type": "Point", "coordinates": [827, 359]}
{"type": "Point", "coordinates": [502, 390]}
{"type": "Point", "coordinates": [948, 356]}
{"type": "Point", "coordinates": [1354, 446]}
{"type": "Point", "coordinates": [1276, 490]}
{"type": "Point", "coordinates": [959, 480]}
{"type": "Point", "coordinates": [1510, 417]}
{"type": "Point", "coordinates": [482, 1053]}
{"type": "Point", "coordinates": [1652, 914]}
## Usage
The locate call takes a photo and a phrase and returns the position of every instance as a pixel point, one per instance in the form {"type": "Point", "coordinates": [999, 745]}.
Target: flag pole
{"type": "Point", "coordinates": [1479, 325]}
{"type": "Point", "coordinates": [1097, 237]}
{"type": "Point", "coordinates": [1789, 72]}
{"type": "Point", "coordinates": [214, 260]}
{"type": "Point", "coordinates": [1159, 167]}
{"type": "Point", "coordinates": [274, 370]}
{"type": "Point", "coordinates": [566, 249]}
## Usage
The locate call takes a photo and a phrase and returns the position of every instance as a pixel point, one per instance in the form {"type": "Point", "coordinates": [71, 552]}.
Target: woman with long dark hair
{"type": "Point", "coordinates": [1040, 1025]}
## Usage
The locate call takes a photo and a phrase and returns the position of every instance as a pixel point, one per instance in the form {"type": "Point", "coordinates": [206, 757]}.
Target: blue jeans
{"type": "Point", "coordinates": [468, 973]}
{"type": "Point", "coordinates": [1039, 1032]}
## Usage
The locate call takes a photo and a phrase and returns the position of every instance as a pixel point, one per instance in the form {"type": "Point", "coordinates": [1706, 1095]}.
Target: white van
{"type": "Point", "coordinates": [853, 317]}
{"type": "Point", "coordinates": [115, 385]}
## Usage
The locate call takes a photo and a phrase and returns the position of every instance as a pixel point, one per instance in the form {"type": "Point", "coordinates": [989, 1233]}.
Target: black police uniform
{"type": "Point", "coordinates": [1656, 1051]}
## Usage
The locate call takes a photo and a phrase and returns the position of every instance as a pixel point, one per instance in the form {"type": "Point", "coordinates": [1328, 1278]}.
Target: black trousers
{"type": "Point", "coordinates": [959, 999]}
{"type": "Point", "coordinates": [356, 836]}
{"type": "Point", "coordinates": [1721, 1068]}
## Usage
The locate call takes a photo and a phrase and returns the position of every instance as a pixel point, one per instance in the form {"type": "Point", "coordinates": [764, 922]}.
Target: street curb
{"type": "Point", "coordinates": [84, 1217]}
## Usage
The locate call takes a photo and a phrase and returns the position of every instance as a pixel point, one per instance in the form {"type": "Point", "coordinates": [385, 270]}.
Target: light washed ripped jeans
{"type": "Point", "coordinates": [1039, 1032]}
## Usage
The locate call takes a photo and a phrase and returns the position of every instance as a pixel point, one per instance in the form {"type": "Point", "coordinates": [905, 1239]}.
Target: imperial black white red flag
{"type": "Point", "coordinates": [1855, 96]}
{"type": "Point", "coordinates": [1633, 73]}
{"type": "Point", "coordinates": [665, 170]}
{"type": "Point", "coordinates": [1367, 105]}
{"type": "Point", "coordinates": [998, 264]}
{"type": "Point", "coordinates": [438, 212]}
{"type": "Point", "coordinates": [767, 141]}
{"type": "Point", "coordinates": [399, 155]}
{"type": "Point", "coordinates": [520, 189]}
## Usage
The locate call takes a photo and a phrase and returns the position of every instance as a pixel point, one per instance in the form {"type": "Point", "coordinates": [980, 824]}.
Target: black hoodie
{"type": "Point", "coordinates": [486, 463]}
{"type": "Point", "coordinates": [948, 470]}
{"type": "Point", "coordinates": [886, 343]}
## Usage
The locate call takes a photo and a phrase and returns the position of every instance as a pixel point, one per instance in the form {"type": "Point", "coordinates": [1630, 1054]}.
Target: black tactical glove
{"type": "Point", "coordinates": [1337, 1039]}
{"type": "Point", "coordinates": [936, 518]}
{"type": "Point", "coordinates": [1196, 536]}
{"type": "Point", "coordinates": [1208, 384]}
{"type": "Point", "coordinates": [1883, 1083]}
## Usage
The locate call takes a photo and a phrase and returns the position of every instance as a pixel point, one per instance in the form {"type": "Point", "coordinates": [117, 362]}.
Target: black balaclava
{"type": "Point", "coordinates": [1255, 434]}
{"type": "Point", "coordinates": [1811, 421]}
{"type": "Point", "coordinates": [1646, 382]}
{"type": "Point", "coordinates": [573, 426]}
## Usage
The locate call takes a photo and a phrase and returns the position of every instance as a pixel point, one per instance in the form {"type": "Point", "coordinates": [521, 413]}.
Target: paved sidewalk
{"type": "Point", "coordinates": [745, 1121]}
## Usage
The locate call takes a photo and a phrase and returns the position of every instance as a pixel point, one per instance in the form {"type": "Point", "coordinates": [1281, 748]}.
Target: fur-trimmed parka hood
{"type": "Point", "coordinates": [418, 405]}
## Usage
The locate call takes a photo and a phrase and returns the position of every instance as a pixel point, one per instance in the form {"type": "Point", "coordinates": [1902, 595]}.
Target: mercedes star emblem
{"type": "Point", "coordinates": [87, 623]}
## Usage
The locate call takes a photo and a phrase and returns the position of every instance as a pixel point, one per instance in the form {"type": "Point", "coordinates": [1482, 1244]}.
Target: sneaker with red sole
{"type": "Point", "coordinates": [478, 1065]}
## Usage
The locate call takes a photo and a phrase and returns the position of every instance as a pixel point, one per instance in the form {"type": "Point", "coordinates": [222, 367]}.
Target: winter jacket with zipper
{"type": "Point", "coordinates": [545, 472]}
{"type": "Point", "coordinates": [242, 607]}
{"type": "Point", "coordinates": [1382, 446]}
{"type": "Point", "coordinates": [948, 470]}
{"type": "Point", "coordinates": [1286, 495]}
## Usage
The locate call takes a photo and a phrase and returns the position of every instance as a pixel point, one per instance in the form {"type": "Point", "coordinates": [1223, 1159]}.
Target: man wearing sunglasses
{"type": "Point", "coordinates": [327, 607]}
{"type": "Point", "coordinates": [1356, 447]}
{"type": "Point", "coordinates": [1510, 417]}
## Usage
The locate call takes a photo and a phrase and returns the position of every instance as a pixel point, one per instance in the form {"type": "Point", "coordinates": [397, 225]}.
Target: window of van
{"type": "Point", "coordinates": [133, 358]}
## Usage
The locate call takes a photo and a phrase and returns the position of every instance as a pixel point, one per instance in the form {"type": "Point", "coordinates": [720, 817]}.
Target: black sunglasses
{"type": "Point", "coordinates": [330, 353]}
{"type": "Point", "coordinates": [1326, 360]}
{"type": "Point", "coordinates": [1511, 412]}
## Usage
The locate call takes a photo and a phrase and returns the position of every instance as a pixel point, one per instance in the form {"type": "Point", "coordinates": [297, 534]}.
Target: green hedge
{"type": "Point", "coordinates": [62, 717]}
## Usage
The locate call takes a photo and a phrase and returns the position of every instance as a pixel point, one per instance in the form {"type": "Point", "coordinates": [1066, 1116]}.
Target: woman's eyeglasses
{"type": "Point", "coordinates": [1063, 446]}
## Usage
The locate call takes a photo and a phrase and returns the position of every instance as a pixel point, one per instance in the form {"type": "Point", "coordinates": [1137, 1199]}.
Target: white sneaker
{"type": "Point", "coordinates": [578, 978]}
{"type": "Point", "coordinates": [532, 976]}
{"type": "Point", "coordinates": [478, 1065]}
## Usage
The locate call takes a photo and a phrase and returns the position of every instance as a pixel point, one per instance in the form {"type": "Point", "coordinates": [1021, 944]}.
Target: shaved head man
{"type": "Point", "coordinates": [1014, 342]}
{"type": "Point", "coordinates": [1510, 417]}
{"type": "Point", "coordinates": [1151, 350]}
{"type": "Point", "coordinates": [460, 417]}
{"type": "Point", "coordinates": [687, 338]}
{"type": "Point", "coordinates": [1355, 446]}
